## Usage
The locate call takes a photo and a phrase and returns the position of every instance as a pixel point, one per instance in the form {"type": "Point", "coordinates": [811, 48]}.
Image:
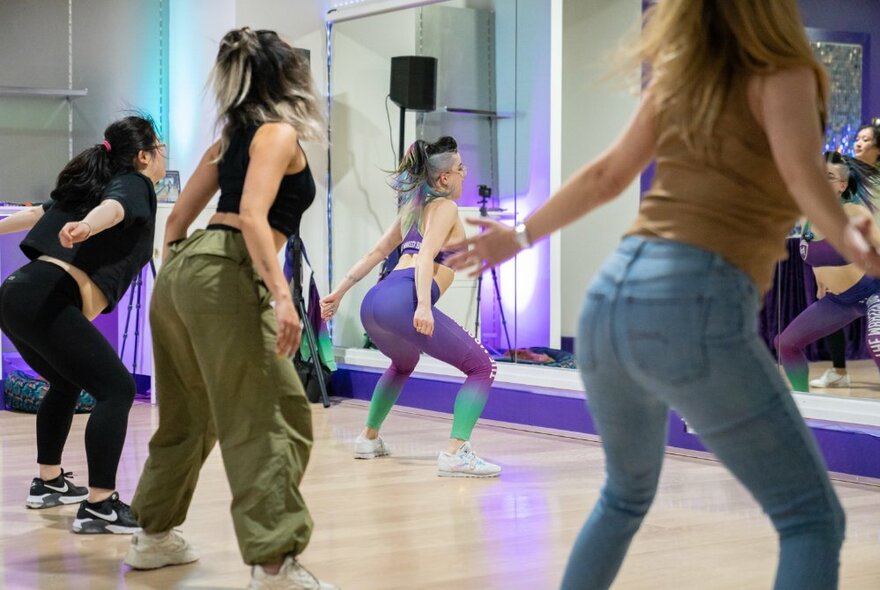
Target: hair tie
{"type": "Point", "coordinates": [106, 145]}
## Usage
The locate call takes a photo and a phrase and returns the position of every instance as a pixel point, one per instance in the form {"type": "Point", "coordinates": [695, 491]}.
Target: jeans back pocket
{"type": "Point", "coordinates": [666, 337]}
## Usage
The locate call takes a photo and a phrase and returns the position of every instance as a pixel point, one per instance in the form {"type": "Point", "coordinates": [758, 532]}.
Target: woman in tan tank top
{"type": "Point", "coordinates": [670, 320]}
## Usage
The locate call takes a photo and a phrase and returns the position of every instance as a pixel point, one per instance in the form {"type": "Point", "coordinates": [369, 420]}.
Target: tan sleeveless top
{"type": "Point", "coordinates": [728, 198]}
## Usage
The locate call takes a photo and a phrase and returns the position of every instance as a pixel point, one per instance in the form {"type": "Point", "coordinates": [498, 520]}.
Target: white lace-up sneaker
{"type": "Point", "coordinates": [148, 552]}
{"type": "Point", "coordinates": [364, 448]}
{"type": "Point", "coordinates": [831, 378]}
{"type": "Point", "coordinates": [464, 463]}
{"type": "Point", "coordinates": [291, 576]}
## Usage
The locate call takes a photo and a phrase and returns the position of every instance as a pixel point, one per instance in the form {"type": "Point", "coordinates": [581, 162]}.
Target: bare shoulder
{"type": "Point", "coordinates": [277, 131]}
{"type": "Point", "coordinates": [856, 210]}
{"type": "Point", "coordinates": [442, 205]}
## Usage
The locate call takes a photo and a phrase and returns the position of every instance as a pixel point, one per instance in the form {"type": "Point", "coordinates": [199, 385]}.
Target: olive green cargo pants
{"type": "Point", "coordinates": [218, 379]}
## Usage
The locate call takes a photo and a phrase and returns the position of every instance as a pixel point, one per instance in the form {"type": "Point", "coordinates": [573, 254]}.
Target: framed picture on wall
{"type": "Point", "coordinates": [168, 189]}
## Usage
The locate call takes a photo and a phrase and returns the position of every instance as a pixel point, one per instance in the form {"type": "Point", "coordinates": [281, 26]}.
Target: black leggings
{"type": "Point", "coordinates": [41, 313]}
{"type": "Point", "coordinates": [836, 343]}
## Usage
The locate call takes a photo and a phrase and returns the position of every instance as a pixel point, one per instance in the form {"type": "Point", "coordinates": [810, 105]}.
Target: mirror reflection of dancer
{"type": "Point", "coordinates": [224, 324]}
{"type": "Point", "coordinates": [399, 315]}
{"type": "Point", "coordinates": [866, 149]}
{"type": "Point", "coordinates": [86, 246]}
{"type": "Point", "coordinates": [848, 292]}
{"type": "Point", "coordinates": [670, 320]}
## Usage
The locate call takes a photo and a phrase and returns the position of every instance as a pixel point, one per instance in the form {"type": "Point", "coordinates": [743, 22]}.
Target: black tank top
{"type": "Point", "coordinates": [295, 194]}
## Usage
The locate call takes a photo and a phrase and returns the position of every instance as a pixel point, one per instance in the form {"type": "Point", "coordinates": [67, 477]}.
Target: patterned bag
{"type": "Point", "coordinates": [25, 392]}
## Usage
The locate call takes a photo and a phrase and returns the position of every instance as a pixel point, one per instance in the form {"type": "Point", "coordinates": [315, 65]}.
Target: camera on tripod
{"type": "Point", "coordinates": [485, 191]}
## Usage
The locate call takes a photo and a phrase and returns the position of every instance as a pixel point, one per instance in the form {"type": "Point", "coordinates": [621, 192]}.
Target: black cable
{"type": "Point", "coordinates": [391, 134]}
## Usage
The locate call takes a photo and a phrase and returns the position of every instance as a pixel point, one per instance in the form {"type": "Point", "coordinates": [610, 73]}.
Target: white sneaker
{"type": "Point", "coordinates": [464, 463]}
{"type": "Point", "coordinates": [291, 576]}
{"type": "Point", "coordinates": [148, 552]}
{"type": "Point", "coordinates": [831, 378]}
{"type": "Point", "coordinates": [364, 448]}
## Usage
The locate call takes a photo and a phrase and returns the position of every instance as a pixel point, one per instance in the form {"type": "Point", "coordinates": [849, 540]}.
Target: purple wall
{"type": "Point", "coordinates": [851, 16]}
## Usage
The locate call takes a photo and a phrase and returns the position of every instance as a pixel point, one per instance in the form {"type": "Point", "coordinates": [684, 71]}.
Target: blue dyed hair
{"type": "Point", "coordinates": [863, 181]}
{"type": "Point", "coordinates": [414, 178]}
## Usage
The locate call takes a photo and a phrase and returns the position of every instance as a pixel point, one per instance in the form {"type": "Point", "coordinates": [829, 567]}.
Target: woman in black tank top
{"type": "Point", "coordinates": [224, 325]}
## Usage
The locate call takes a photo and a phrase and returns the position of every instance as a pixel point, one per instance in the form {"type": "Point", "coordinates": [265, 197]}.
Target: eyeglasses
{"type": "Point", "coordinates": [159, 147]}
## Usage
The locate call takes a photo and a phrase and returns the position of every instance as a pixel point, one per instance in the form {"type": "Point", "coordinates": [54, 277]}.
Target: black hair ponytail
{"type": "Point", "coordinates": [81, 182]}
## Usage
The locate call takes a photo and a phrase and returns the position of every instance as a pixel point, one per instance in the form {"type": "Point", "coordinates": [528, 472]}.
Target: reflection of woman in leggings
{"type": "Point", "coordinates": [86, 246]}
{"type": "Point", "coordinates": [398, 313]}
{"type": "Point", "coordinates": [848, 293]}
{"type": "Point", "coordinates": [866, 149]}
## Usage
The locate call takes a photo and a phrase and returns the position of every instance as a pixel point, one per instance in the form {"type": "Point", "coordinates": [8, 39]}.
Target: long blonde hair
{"type": "Point", "coordinates": [693, 50]}
{"type": "Point", "coordinates": [258, 78]}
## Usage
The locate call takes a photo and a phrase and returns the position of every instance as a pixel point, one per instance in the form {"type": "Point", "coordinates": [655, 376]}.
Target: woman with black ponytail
{"type": "Point", "coordinates": [399, 315]}
{"type": "Point", "coordinates": [86, 245]}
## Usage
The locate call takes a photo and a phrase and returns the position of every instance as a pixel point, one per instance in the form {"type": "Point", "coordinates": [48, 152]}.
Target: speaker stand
{"type": "Point", "coordinates": [402, 128]}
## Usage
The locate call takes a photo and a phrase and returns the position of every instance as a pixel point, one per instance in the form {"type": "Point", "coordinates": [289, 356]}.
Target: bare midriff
{"type": "Point", "coordinates": [838, 279]}
{"type": "Point", "coordinates": [94, 301]}
{"type": "Point", "coordinates": [443, 275]}
{"type": "Point", "coordinates": [233, 220]}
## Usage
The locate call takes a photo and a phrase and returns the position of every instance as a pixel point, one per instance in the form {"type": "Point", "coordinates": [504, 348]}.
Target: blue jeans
{"type": "Point", "coordinates": [667, 325]}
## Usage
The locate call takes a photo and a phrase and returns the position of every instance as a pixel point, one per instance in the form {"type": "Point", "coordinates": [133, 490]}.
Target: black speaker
{"type": "Point", "coordinates": [414, 82]}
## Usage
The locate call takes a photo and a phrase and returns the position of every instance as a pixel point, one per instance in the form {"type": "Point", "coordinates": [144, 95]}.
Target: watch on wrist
{"type": "Point", "coordinates": [522, 236]}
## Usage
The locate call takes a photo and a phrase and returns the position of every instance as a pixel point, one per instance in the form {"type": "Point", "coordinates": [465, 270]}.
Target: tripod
{"type": "Point", "coordinates": [137, 286]}
{"type": "Point", "coordinates": [294, 245]}
{"type": "Point", "coordinates": [485, 194]}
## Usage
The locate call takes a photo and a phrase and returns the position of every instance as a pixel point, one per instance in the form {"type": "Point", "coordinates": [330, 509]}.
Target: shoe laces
{"type": "Point", "coordinates": [303, 575]}
{"type": "Point", "coordinates": [469, 457]}
{"type": "Point", "coordinates": [64, 476]}
{"type": "Point", "coordinates": [121, 507]}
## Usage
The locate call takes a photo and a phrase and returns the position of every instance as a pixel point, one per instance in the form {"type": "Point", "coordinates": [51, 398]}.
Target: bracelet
{"type": "Point", "coordinates": [522, 237]}
{"type": "Point", "coordinates": [89, 226]}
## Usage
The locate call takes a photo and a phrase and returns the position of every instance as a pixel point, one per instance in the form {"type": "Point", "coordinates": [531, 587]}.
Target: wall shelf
{"type": "Point", "coordinates": [67, 93]}
{"type": "Point", "coordinates": [474, 113]}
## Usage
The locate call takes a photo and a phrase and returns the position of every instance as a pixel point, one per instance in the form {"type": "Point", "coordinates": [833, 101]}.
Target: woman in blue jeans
{"type": "Point", "coordinates": [670, 320]}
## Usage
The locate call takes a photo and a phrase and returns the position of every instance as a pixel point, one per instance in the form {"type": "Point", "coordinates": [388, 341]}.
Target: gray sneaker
{"type": "Point", "coordinates": [291, 576]}
{"type": "Point", "coordinates": [464, 463]}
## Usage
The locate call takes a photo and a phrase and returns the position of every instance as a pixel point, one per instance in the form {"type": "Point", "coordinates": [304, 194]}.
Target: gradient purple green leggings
{"type": "Point", "coordinates": [824, 317]}
{"type": "Point", "coordinates": [387, 314]}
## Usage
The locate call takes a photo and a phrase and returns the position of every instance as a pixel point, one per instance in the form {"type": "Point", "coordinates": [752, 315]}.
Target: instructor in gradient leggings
{"type": "Point", "coordinates": [399, 315]}
{"type": "Point", "coordinates": [846, 292]}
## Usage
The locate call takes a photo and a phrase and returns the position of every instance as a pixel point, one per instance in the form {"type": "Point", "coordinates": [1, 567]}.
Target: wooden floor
{"type": "Point", "coordinates": [392, 524]}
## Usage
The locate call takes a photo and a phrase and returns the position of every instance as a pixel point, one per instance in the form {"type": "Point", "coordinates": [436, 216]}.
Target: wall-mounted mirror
{"type": "Point", "coordinates": [819, 311]}
{"type": "Point", "coordinates": [492, 96]}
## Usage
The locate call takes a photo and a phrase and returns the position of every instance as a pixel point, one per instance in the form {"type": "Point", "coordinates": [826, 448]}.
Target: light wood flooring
{"type": "Point", "coordinates": [393, 524]}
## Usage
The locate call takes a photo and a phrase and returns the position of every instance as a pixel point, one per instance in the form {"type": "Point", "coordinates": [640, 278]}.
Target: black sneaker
{"type": "Point", "coordinates": [110, 516]}
{"type": "Point", "coordinates": [55, 492]}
